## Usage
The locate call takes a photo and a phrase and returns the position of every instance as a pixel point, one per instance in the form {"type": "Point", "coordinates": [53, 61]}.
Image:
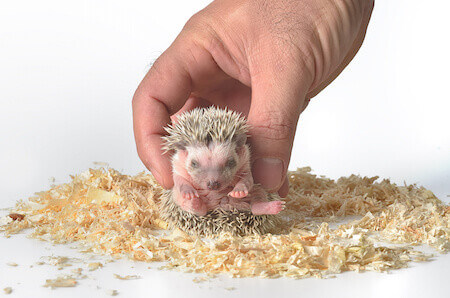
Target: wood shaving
{"type": "Point", "coordinates": [66, 280]}
{"type": "Point", "coordinates": [111, 292]}
{"type": "Point", "coordinates": [94, 266]}
{"type": "Point", "coordinates": [7, 290]}
{"type": "Point", "coordinates": [58, 261]}
{"type": "Point", "coordinates": [61, 282]}
{"type": "Point", "coordinates": [126, 277]}
{"type": "Point", "coordinates": [12, 264]}
{"type": "Point", "coordinates": [77, 271]}
{"type": "Point", "coordinates": [230, 288]}
{"type": "Point", "coordinates": [110, 213]}
{"type": "Point", "coordinates": [16, 216]}
{"type": "Point", "coordinates": [200, 279]}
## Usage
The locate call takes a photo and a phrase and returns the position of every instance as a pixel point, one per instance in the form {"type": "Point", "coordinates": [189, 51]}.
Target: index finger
{"type": "Point", "coordinates": [162, 92]}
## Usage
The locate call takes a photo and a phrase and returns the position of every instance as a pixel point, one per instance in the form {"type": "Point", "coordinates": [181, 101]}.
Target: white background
{"type": "Point", "coordinates": [68, 70]}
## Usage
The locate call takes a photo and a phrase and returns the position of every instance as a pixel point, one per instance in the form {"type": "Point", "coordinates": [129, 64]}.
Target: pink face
{"type": "Point", "coordinates": [213, 167]}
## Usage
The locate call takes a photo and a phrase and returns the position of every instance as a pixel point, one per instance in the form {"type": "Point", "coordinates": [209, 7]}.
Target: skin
{"type": "Point", "coordinates": [265, 59]}
{"type": "Point", "coordinates": [226, 164]}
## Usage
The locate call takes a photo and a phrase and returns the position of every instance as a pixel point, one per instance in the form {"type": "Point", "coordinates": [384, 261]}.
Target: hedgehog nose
{"type": "Point", "coordinates": [213, 185]}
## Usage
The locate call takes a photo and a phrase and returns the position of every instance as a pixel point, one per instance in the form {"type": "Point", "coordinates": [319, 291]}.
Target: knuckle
{"type": "Point", "coordinates": [200, 29]}
{"type": "Point", "coordinates": [198, 22]}
{"type": "Point", "coordinates": [194, 20]}
{"type": "Point", "coordinates": [136, 98]}
{"type": "Point", "coordinates": [274, 126]}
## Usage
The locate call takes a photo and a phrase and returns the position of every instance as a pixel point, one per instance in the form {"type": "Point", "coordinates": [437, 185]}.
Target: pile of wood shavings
{"type": "Point", "coordinates": [110, 213]}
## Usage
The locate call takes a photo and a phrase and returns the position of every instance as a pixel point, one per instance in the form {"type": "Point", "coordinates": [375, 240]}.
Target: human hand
{"type": "Point", "coordinates": [262, 58]}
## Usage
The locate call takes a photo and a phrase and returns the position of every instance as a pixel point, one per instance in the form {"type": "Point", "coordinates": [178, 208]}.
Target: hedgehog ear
{"type": "Point", "coordinates": [240, 140]}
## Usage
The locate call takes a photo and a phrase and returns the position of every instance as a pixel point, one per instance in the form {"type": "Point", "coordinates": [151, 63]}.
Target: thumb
{"type": "Point", "coordinates": [278, 98]}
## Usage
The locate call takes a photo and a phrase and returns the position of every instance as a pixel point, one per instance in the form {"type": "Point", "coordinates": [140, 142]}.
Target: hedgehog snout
{"type": "Point", "coordinates": [213, 185]}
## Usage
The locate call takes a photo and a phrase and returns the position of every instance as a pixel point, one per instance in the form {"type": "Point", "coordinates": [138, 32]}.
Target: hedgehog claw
{"type": "Point", "coordinates": [189, 194]}
{"type": "Point", "coordinates": [240, 191]}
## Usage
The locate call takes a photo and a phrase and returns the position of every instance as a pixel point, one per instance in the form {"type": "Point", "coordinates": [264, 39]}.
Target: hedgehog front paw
{"type": "Point", "coordinates": [239, 191]}
{"type": "Point", "coordinates": [188, 193]}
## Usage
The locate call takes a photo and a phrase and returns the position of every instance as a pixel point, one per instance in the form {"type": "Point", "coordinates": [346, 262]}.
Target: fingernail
{"type": "Point", "coordinates": [268, 172]}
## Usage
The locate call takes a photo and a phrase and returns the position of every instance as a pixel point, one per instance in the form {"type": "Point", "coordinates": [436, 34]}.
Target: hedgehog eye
{"type": "Point", "coordinates": [231, 163]}
{"type": "Point", "coordinates": [194, 164]}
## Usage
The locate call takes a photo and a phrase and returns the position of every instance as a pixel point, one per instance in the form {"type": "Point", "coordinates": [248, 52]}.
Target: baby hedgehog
{"type": "Point", "coordinates": [213, 185]}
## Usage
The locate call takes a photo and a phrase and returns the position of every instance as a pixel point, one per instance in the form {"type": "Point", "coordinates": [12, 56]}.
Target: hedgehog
{"type": "Point", "coordinates": [213, 185]}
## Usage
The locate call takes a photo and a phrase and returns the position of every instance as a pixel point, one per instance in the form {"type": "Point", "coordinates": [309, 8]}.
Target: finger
{"type": "Point", "coordinates": [162, 92]}
{"type": "Point", "coordinates": [278, 95]}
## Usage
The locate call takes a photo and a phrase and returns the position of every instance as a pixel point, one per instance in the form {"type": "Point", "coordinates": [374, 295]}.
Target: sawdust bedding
{"type": "Point", "coordinates": [109, 213]}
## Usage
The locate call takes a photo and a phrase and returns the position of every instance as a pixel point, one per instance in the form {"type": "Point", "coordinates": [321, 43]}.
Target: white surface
{"type": "Point", "coordinates": [420, 280]}
{"type": "Point", "coordinates": [68, 70]}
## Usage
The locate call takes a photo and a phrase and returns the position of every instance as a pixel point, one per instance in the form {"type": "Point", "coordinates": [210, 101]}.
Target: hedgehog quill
{"type": "Point", "coordinates": [212, 175]}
